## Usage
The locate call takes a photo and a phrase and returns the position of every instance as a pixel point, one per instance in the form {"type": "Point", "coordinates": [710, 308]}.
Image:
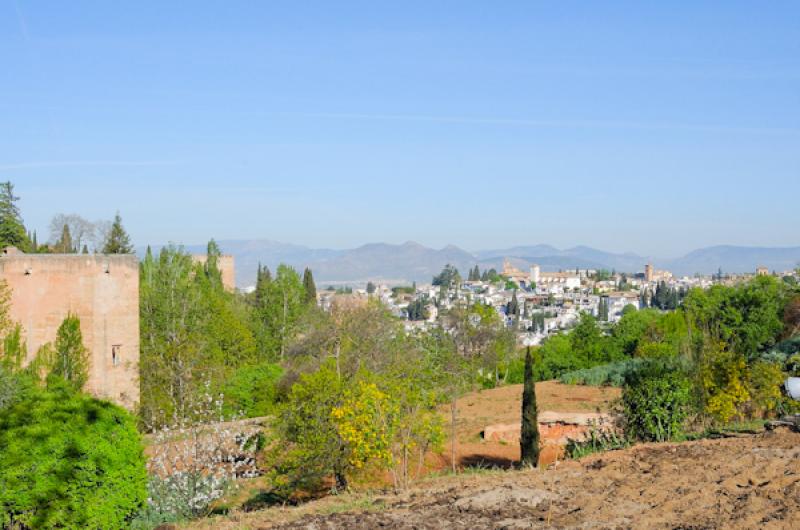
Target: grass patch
{"type": "Point", "coordinates": [733, 428]}
{"type": "Point", "coordinates": [597, 442]}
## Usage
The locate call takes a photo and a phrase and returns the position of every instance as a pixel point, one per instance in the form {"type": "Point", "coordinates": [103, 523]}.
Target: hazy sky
{"type": "Point", "coordinates": [650, 128]}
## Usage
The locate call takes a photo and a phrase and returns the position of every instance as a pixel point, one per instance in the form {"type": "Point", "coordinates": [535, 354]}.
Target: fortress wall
{"type": "Point", "coordinates": [103, 291]}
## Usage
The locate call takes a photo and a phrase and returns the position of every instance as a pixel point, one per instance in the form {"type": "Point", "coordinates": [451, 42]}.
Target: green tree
{"type": "Point", "coordinates": [69, 461]}
{"type": "Point", "coordinates": [12, 229]}
{"type": "Point", "coordinates": [309, 287]}
{"type": "Point", "coordinates": [211, 265]}
{"type": "Point", "coordinates": [263, 278]}
{"type": "Point", "coordinates": [173, 360]}
{"type": "Point", "coordinates": [317, 450]}
{"type": "Point", "coordinates": [118, 241]}
{"type": "Point", "coordinates": [283, 303]}
{"type": "Point", "coordinates": [64, 244]}
{"type": "Point", "coordinates": [529, 440]}
{"type": "Point", "coordinates": [370, 288]}
{"type": "Point", "coordinates": [71, 357]}
{"type": "Point", "coordinates": [512, 308]}
{"type": "Point", "coordinates": [449, 277]}
{"type": "Point", "coordinates": [589, 344]}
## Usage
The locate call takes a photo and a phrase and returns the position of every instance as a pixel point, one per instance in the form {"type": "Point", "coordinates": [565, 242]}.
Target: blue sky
{"type": "Point", "coordinates": [621, 125]}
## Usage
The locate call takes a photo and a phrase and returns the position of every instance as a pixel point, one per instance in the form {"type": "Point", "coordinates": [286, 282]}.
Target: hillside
{"type": "Point", "coordinates": [751, 481]}
{"type": "Point", "coordinates": [410, 261]}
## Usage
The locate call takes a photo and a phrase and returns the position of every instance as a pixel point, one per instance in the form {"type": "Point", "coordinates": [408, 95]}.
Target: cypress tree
{"type": "Point", "coordinates": [529, 440]}
{"type": "Point", "coordinates": [12, 229]}
{"type": "Point", "coordinates": [118, 241]}
{"type": "Point", "coordinates": [85, 250]}
{"type": "Point", "coordinates": [309, 287]}
{"type": "Point", "coordinates": [64, 245]}
{"type": "Point", "coordinates": [263, 279]}
{"type": "Point", "coordinates": [211, 267]}
{"type": "Point", "coordinates": [513, 305]}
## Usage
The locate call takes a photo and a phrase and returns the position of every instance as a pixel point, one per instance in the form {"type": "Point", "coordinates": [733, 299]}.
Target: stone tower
{"type": "Point", "coordinates": [102, 290]}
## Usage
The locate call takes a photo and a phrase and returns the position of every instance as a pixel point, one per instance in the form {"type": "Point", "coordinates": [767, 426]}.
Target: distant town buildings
{"type": "Point", "coordinates": [547, 302]}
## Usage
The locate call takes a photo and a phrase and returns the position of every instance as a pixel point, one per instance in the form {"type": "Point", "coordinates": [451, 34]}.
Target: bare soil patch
{"type": "Point", "coordinates": [504, 405]}
{"type": "Point", "coordinates": [751, 481]}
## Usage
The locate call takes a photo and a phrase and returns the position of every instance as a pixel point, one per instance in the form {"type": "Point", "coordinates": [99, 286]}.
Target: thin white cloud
{"type": "Point", "coordinates": [576, 124]}
{"type": "Point", "coordinates": [86, 163]}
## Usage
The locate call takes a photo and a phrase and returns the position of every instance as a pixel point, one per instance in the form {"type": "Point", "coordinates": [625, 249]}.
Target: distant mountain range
{"type": "Point", "coordinates": [411, 261]}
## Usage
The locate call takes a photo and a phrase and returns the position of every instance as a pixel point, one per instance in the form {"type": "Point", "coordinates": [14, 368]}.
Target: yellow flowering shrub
{"type": "Point", "coordinates": [365, 422]}
{"type": "Point", "coordinates": [724, 376]}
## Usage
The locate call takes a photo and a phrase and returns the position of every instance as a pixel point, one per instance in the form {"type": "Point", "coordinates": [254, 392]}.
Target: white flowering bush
{"type": "Point", "coordinates": [194, 461]}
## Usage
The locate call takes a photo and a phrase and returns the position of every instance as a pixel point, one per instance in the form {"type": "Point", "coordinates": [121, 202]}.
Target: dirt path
{"type": "Point", "coordinates": [748, 482]}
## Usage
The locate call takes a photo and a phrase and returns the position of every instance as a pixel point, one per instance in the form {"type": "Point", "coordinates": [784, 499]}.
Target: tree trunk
{"type": "Point", "coordinates": [453, 413]}
{"type": "Point", "coordinates": [341, 482]}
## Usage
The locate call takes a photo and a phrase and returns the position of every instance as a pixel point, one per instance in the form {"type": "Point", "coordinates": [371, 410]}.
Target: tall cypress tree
{"type": "Point", "coordinates": [118, 241]}
{"type": "Point", "coordinates": [263, 278]}
{"type": "Point", "coordinates": [12, 229]}
{"type": "Point", "coordinates": [529, 440]}
{"type": "Point", "coordinates": [309, 286]}
{"type": "Point", "coordinates": [64, 245]}
{"type": "Point", "coordinates": [211, 267]}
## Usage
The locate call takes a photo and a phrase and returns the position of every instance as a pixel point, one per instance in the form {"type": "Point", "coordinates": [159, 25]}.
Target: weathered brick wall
{"type": "Point", "coordinates": [103, 291]}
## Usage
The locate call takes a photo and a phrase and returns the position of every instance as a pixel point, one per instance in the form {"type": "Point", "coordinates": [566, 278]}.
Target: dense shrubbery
{"type": "Point", "coordinates": [69, 461]}
{"type": "Point", "coordinates": [726, 341]}
{"type": "Point", "coordinates": [656, 399]}
{"type": "Point", "coordinates": [611, 374]}
{"type": "Point", "coordinates": [252, 390]}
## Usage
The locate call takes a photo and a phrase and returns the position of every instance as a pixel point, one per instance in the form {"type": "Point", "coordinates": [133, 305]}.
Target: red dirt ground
{"type": "Point", "coordinates": [503, 405]}
{"type": "Point", "coordinates": [750, 481]}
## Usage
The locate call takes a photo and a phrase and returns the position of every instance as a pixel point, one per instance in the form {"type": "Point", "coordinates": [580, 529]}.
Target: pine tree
{"type": "Point", "coordinates": [12, 229]}
{"type": "Point", "coordinates": [309, 287]}
{"type": "Point", "coordinates": [118, 241]}
{"type": "Point", "coordinates": [529, 440]}
{"type": "Point", "coordinates": [71, 360]}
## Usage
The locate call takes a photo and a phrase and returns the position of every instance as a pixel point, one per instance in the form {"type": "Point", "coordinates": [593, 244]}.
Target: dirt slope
{"type": "Point", "coordinates": [748, 482]}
